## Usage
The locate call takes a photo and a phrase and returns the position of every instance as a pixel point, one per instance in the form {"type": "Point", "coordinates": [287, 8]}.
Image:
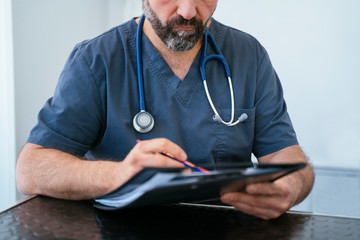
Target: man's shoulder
{"type": "Point", "coordinates": [227, 33]}
{"type": "Point", "coordinates": [234, 41]}
{"type": "Point", "coordinates": [110, 40]}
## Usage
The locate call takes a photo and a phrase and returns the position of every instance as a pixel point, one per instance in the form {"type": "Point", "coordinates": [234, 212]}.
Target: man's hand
{"type": "Point", "coordinates": [59, 174]}
{"type": "Point", "coordinates": [264, 200]}
{"type": "Point", "coordinates": [270, 200]}
{"type": "Point", "coordinates": [149, 154]}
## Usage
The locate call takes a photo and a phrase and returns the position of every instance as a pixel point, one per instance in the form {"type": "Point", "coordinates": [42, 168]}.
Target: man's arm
{"type": "Point", "coordinates": [270, 200]}
{"type": "Point", "coordinates": [58, 174]}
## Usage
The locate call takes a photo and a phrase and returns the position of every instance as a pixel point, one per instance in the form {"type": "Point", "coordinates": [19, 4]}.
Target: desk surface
{"type": "Point", "coordinates": [48, 218]}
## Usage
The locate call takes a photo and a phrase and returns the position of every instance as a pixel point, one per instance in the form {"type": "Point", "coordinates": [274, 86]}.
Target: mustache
{"type": "Point", "coordinates": [179, 20]}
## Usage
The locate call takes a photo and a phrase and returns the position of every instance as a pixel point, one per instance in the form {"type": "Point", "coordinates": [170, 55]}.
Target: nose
{"type": "Point", "coordinates": [187, 8]}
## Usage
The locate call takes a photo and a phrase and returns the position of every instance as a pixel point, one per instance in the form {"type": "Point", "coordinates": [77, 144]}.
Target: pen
{"type": "Point", "coordinates": [185, 163]}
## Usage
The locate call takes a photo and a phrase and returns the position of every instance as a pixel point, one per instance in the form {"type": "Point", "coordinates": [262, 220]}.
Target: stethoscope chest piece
{"type": "Point", "coordinates": [143, 122]}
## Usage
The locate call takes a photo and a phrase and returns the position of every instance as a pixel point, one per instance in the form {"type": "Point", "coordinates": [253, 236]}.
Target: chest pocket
{"type": "Point", "coordinates": [234, 144]}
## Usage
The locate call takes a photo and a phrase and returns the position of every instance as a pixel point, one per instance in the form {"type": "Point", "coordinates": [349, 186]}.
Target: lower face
{"type": "Point", "coordinates": [178, 34]}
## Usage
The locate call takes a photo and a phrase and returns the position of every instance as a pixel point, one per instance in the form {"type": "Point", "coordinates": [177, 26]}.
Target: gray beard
{"type": "Point", "coordinates": [175, 40]}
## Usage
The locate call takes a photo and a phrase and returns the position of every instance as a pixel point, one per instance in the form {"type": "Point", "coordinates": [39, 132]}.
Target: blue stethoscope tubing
{"type": "Point", "coordinates": [220, 57]}
{"type": "Point", "coordinates": [143, 121]}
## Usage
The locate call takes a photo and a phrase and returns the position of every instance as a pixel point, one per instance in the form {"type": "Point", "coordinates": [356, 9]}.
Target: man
{"type": "Point", "coordinates": [90, 116]}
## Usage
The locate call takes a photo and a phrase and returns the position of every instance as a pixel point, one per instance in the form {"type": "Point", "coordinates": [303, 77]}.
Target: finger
{"type": "Point", "coordinates": [159, 160]}
{"type": "Point", "coordinates": [252, 207]}
{"type": "Point", "coordinates": [162, 145]}
{"type": "Point", "coordinates": [141, 159]}
{"type": "Point", "coordinates": [274, 202]}
{"type": "Point", "coordinates": [263, 189]}
{"type": "Point", "coordinates": [264, 213]}
{"type": "Point", "coordinates": [279, 188]}
{"type": "Point", "coordinates": [149, 153]}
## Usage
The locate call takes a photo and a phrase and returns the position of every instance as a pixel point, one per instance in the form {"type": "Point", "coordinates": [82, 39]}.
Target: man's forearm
{"type": "Point", "coordinates": [303, 179]}
{"type": "Point", "coordinates": [54, 173]}
{"type": "Point", "coordinates": [58, 174]}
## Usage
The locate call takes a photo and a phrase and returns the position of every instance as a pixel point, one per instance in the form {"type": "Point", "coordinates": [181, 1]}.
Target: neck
{"type": "Point", "coordinates": [179, 62]}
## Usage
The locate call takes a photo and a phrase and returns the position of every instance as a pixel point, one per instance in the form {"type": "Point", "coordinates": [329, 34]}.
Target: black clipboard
{"type": "Point", "coordinates": [153, 186]}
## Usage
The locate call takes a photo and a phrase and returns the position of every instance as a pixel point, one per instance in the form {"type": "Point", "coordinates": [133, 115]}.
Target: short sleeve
{"type": "Point", "coordinates": [273, 127]}
{"type": "Point", "coordinates": [71, 120]}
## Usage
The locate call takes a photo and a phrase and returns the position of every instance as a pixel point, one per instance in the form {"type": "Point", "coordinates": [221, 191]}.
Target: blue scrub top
{"type": "Point", "coordinates": [92, 110]}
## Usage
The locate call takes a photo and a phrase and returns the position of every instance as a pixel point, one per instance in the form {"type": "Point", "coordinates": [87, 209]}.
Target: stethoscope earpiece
{"type": "Point", "coordinates": [143, 122]}
{"type": "Point", "coordinates": [217, 118]}
{"type": "Point", "coordinates": [243, 117]}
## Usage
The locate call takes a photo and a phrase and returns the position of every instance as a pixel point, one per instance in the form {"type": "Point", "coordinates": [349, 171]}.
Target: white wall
{"type": "Point", "coordinates": [45, 31]}
{"type": "Point", "coordinates": [7, 115]}
{"type": "Point", "coordinates": [44, 34]}
{"type": "Point", "coordinates": [120, 11]}
{"type": "Point", "coordinates": [313, 46]}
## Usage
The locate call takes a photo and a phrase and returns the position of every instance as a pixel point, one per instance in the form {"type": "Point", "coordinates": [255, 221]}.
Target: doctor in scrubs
{"type": "Point", "coordinates": [84, 144]}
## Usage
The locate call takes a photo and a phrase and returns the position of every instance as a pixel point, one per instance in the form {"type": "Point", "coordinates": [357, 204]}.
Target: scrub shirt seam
{"type": "Point", "coordinates": [276, 147]}
{"type": "Point", "coordinates": [67, 147]}
{"type": "Point", "coordinates": [259, 66]}
{"type": "Point", "coordinates": [103, 117]}
{"type": "Point", "coordinates": [260, 63]}
{"type": "Point", "coordinates": [186, 100]}
{"type": "Point", "coordinates": [219, 30]}
{"type": "Point", "coordinates": [219, 145]}
{"type": "Point", "coordinates": [89, 41]}
{"type": "Point", "coordinates": [132, 40]}
{"type": "Point", "coordinates": [93, 77]}
{"type": "Point", "coordinates": [145, 57]}
{"type": "Point", "coordinates": [268, 149]}
{"type": "Point", "coordinates": [218, 33]}
{"type": "Point", "coordinates": [148, 62]}
{"type": "Point", "coordinates": [152, 67]}
{"type": "Point", "coordinates": [256, 92]}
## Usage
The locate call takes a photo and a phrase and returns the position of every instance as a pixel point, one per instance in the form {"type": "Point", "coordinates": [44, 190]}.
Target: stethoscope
{"type": "Point", "coordinates": [143, 121]}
